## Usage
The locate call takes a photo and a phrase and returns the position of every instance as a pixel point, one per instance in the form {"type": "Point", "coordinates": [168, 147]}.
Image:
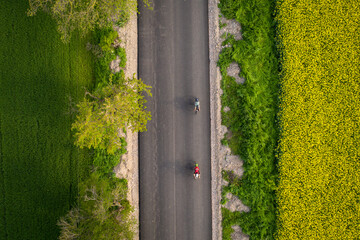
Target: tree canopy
{"type": "Point", "coordinates": [111, 108]}
{"type": "Point", "coordinates": [103, 211]}
{"type": "Point", "coordinates": [84, 15]}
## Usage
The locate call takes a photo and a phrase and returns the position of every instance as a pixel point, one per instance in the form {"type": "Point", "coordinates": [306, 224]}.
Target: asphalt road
{"type": "Point", "coordinates": [174, 60]}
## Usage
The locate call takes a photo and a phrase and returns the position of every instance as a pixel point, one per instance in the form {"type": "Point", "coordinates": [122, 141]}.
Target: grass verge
{"type": "Point", "coordinates": [251, 119]}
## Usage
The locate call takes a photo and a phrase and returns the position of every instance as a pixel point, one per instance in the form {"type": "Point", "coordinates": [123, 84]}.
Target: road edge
{"type": "Point", "coordinates": [215, 116]}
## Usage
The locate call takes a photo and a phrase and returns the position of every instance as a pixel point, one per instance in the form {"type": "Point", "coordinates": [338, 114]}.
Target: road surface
{"type": "Point", "coordinates": [174, 60]}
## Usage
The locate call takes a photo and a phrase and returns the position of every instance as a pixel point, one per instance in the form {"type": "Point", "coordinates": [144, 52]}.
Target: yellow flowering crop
{"type": "Point", "coordinates": [319, 150]}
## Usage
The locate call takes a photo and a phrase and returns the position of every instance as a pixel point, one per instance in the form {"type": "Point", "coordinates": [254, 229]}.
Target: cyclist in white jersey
{"type": "Point", "coordinates": [197, 104]}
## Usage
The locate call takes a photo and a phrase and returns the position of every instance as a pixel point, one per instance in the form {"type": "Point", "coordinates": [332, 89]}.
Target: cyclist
{"type": "Point", "coordinates": [197, 105]}
{"type": "Point", "coordinates": [196, 171]}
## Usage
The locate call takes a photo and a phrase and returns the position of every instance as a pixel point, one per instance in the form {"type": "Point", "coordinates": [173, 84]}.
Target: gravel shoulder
{"type": "Point", "coordinates": [129, 165]}
{"type": "Point", "coordinates": [215, 116]}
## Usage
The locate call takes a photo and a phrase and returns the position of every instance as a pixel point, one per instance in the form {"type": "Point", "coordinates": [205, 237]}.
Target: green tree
{"type": "Point", "coordinates": [84, 15]}
{"type": "Point", "coordinates": [103, 211]}
{"type": "Point", "coordinates": [109, 110]}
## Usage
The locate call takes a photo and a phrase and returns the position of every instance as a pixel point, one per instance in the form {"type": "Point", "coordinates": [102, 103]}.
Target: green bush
{"type": "Point", "coordinates": [102, 202]}
{"type": "Point", "coordinates": [106, 38]}
{"type": "Point", "coordinates": [122, 54]}
{"type": "Point", "coordinates": [102, 68]}
{"type": "Point", "coordinates": [229, 8]}
{"type": "Point", "coordinates": [117, 78]}
{"type": "Point", "coordinates": [104, 163]}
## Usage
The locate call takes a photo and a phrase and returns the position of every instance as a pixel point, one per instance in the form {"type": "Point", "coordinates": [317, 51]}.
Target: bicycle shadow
{"type": "Point", "coordinates": [185, 104]}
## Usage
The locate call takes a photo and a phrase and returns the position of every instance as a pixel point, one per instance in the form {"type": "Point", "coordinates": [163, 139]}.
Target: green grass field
{"type": "Point", "coordinates": [39, 165]}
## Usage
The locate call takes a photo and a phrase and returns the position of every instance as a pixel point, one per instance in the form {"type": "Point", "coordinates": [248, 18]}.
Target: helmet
{"type": "Point", "coordinates": [196, 99]}
{"type": "Point", "coordinates": [196, 165]}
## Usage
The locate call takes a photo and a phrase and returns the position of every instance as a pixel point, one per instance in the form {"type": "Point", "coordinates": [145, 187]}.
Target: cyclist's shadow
{"type": "Point", "coordinates": [185, 104]}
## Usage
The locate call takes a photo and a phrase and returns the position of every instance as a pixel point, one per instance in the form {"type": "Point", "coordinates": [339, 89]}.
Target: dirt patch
{"type": "Point", "coordinates": [234, 204]}
{"type": "Point", "coordinates": [237, 234]}
{"type": "Point", "coordinates": [232, 27]}
{"type": "Point", "coordinates": [115, 65]}
{"type": "Point", "coordinates": [233, 71]}
{"type": "Point", "coordinates": [232, 163]}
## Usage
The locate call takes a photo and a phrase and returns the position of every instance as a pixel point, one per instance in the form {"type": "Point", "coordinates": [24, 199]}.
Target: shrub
{"type": "Point", "coordinates": [106, 37]}
{"type": "Point", "coordinates": [229, 8]}
{"type": "Point", "coordinates": [102, 202]}
{"type": "Point", "coordinates": [104, 162]}
{"type": "Point", "coordinates": [102, 69]}
{"type": "Point", "coordinates": [122, 54]}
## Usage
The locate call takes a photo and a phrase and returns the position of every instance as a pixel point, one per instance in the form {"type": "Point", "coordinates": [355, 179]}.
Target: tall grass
{"type": "Point", "coordinates": [40, 81]}
{"type": "Point", "coordinates": [251, 119]}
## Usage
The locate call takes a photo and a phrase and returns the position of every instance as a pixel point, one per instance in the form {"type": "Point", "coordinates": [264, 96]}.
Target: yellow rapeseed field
{"type": "Point", "coordinates": [319, 150]}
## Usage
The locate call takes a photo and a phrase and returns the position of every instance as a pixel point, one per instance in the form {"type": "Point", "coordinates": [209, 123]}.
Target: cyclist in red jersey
{"type": "Point", "coordinates": [196, 171]}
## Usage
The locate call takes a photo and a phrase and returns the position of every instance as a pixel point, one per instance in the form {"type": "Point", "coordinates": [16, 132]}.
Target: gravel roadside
{"type": "Point", "coordinates": [129, 165]}
{"type": "Point", "coordinates": [215, 116]}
